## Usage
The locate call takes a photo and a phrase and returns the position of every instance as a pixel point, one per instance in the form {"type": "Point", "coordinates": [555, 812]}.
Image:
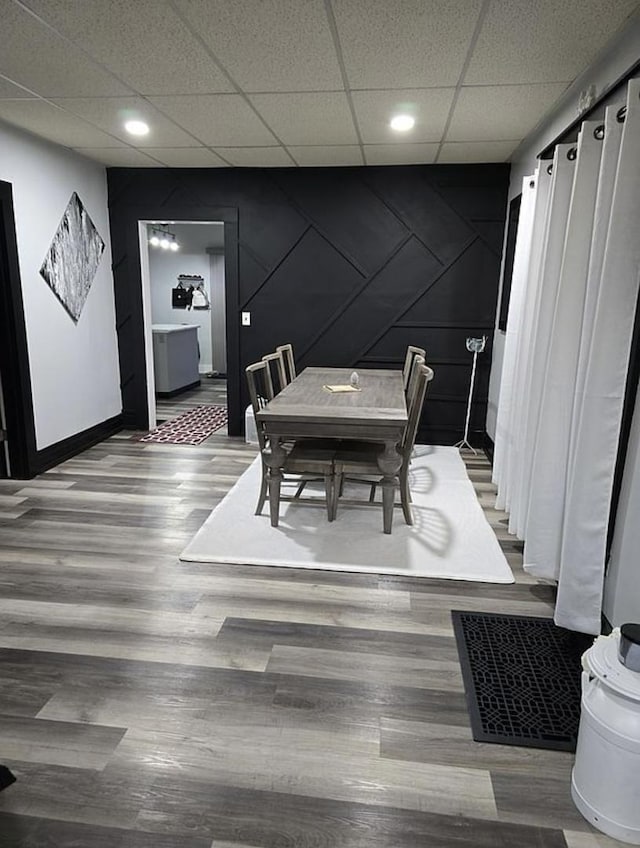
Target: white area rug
{"type": "Point", "coordinates": [450, 537]}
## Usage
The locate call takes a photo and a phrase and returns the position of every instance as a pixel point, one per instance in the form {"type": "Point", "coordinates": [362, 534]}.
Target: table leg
{"type": "Point", "coordinates": [275, 457]}
{"type": "Point", "coordinates": [389, 463]}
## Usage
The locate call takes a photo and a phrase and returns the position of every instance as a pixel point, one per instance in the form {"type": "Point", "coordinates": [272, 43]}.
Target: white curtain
{"type": "Point", "coordinates": [505, 441]}
{"type": "Point", "coordinates": [572, 328]}
{"type": "Point", "coordinates": [604, 359]}
{"type": "Point", "coordinates": [539, 319]}
{"type": "Point", "coordinates": [544, 519]}
{"type": "Point", "coordinates": [526, 346]}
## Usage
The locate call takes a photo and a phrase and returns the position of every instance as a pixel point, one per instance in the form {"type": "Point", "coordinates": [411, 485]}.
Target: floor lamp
{"type": "Point", "coordinates": [474, 346]}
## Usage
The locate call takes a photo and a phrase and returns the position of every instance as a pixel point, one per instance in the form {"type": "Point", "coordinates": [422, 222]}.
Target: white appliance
{"type": "Point", "coordinates": [605, 783]}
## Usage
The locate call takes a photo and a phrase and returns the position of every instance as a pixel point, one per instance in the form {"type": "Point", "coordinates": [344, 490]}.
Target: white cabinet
{"type": "Point", "coordinates": [175, 357]}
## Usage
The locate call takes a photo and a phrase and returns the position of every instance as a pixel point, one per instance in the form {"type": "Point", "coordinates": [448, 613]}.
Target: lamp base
{"type": "Point", "coordinates": [463, 443]}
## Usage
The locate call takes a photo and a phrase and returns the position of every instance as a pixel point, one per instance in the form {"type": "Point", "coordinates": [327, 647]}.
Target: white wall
{"type": "Point", "coordinates": [164, 268]}
{"type": "Point", "coordinates": [74, 367]}
{"type": "Point", "coordinates": [621, 55]}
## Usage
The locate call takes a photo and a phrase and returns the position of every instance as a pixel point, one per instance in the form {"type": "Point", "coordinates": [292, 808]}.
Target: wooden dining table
{"type": "Point", "coordinates": [304, 409]}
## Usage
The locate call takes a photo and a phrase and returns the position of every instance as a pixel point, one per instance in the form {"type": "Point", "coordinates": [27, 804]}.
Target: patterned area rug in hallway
{"type": "Point", "coordinates": [190, 428]}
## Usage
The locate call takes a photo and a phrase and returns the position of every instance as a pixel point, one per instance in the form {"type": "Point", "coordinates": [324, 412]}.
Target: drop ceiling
{"type": "Point", "coordinates": [269, 83]}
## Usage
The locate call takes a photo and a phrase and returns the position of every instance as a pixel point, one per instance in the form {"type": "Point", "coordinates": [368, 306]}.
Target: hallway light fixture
{"type": "Point", "coordinates": [162, 237]}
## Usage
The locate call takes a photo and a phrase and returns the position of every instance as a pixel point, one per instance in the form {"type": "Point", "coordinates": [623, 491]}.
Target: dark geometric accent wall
{"type": "Point", "coordinates": [349, 264]}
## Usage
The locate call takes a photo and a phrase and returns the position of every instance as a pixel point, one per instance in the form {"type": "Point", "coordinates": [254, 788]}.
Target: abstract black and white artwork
{"type": "Point", "coordinates": [73, 258]}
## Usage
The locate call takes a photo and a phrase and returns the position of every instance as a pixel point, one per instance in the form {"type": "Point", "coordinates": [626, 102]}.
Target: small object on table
{"type": "Point", "coordinates": [346, 387]}
{"type": "Point", "coordinates": [355, 379]}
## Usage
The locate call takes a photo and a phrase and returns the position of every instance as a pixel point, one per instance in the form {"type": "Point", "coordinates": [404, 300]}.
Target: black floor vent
{"type": "Point", "coordinates": [522, 679]}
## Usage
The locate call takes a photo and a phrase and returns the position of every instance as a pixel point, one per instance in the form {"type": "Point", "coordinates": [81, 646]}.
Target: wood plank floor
{"type": "Point", "coordinates": [148, 702]}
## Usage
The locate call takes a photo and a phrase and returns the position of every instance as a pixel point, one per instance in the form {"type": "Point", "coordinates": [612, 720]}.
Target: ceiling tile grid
{"type": "Point", "coordinates": [429, 107]}
{"type": "Point", "coordinates": [319, 156]}
{"type": "Point", "coordinates": [268, 45]}
{"type": "Point", "coordinates": [294, 83]}
{"type": "Point", "coordinates": [186, 157]}
{"type": "Point", "coordinates": [119, 157]}
{"type": "Point", "coordinates": [500, 112]}
{"type": "Point", "coordinates": [48, 121]}
{"type": "Point", "coordinates": [32, 56]}
{"type": "Point", "coordinates": [143, 42]}
{"type": "Point", "coordinates": [110, 114]}
{"type": "Point", "coordinates": [310, 118]}
{"type": "Point", "coordinates": [400, 45]}
{"type": "Point", "coordinates": [255, 157]}
{"type": "Point", "coordinates": [401, 154]}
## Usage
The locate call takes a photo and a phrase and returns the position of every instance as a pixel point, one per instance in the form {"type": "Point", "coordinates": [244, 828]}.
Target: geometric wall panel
{"type": "Point", "coordinates": [461, 293]}
{"type": "Point", "coordinates": [348, 213]}
{"type": "Point", "coordinates": [385, 295]}
{"type": "Point", "coordinates": [349, 264]}
{"type": "Point", "coordinates": [313, 273]}
{"type": "Point", "coordinates": [421, 207]}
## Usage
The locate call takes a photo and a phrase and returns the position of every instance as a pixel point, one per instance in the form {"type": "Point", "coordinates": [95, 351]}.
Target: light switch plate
{"type": "Point", "coordinates": [246, 319]}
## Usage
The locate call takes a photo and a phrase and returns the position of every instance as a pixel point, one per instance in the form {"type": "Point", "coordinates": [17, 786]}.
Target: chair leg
{"type": "Point", "coordinates": [329, 495]}
{"type": "Point", "coordinates": [405, 496]}
{"type": "Point", "coordinates": [388, 497]}
{"type": "Point", "coordinates": [372, 493]}
{"type": "Point", "coordinates": [264, 484]}
{"type": "Point", "coordinates": [336, 491]}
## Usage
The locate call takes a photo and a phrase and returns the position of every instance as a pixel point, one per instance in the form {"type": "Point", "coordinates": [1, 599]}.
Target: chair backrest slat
{"type": "Point", "coordinates": [260, 392]}
{"type": "Point", "coordinates": [276, 359]}
{"type": "Point", "coordinates": [289, 360]}
{"type": "Point", "coordinates": [411, 354]}
{"type": "Point", "coordinates": [422, 375]}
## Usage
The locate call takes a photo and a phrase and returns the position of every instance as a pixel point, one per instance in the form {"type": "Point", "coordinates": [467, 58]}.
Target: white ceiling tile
{"type": "Point", "coordinates": [110, 114]}
{"type": "Point", "coordinates": [144, 42]}
{"type": "Point", "coordinates": [118, 157]}
{"type": "Point", "coordinates": [269, 45]}
{"type": "Point", "coordinates": [346, 154]}
{"type": "Point", "coordinates": [476, 151]}
{"type": "Point", "coordinates": [257, 157]}
{"type": "Point", "coordinates": [33, 56]}
{"type": "Point", "coordinates": [400, 154]}
{"type": "Point", "coordinates": [311, 118]}
{"type": "Point", "coordinates": [217, 119]}
{"type": "Point", "coordinates": [497, 113]}
{"type": "Point", "coordinates": [48, 121]}
{"type": "Point", "coordinates": [405, 44]}
{"type": "Point", "coordinates": [543, 41]}
{"type": "Point", "coordinates": [8, 89]}
{"type": "Point", "coordinates": [429, 106]}
{"type": "Point", "coordinates": [186, 157]}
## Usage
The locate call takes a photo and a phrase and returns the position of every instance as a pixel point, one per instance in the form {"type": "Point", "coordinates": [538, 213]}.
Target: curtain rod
{"type": "Point", "coordinates": [567, 134]}
{"type": "Point", "coordinates": [598, 134]}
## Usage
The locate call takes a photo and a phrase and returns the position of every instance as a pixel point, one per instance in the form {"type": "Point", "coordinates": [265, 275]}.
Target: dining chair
{"type": "Point", "coordinates": [361, 460]}
{"type": "Point", "coordinates": [410, 355]}
{"type": "Point", "coordinates": [276, 360]}
{"type": "Point", "coordinates": [307, 459]}
{"type": "Point", "coordinates": [289, 361]}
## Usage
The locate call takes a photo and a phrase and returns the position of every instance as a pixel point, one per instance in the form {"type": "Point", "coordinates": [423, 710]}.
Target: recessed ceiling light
{"type": "Point", "coordinates": [136, 127]}
{"type": "Point", "coordinates": [402, 123]}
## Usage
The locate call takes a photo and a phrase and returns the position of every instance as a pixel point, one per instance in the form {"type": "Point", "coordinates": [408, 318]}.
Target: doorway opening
{"type": "Point", "coordinates": [184, 305]}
